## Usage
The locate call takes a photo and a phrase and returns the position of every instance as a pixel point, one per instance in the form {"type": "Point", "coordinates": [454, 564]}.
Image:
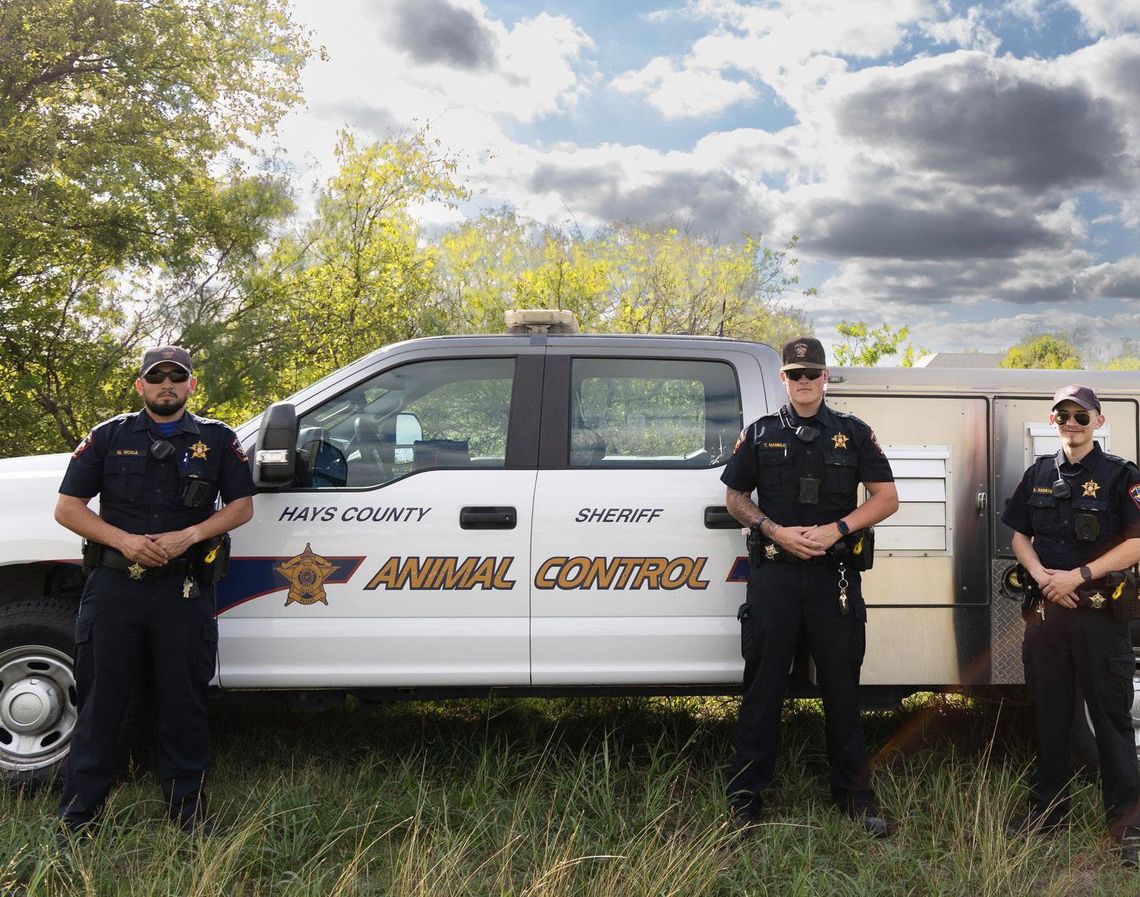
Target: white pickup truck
{"type": "Point", "coordinates": [539, 513]}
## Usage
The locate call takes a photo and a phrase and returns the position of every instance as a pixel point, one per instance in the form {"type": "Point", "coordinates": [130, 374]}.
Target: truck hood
{"type": "Point", "coordinates": [28, 531]}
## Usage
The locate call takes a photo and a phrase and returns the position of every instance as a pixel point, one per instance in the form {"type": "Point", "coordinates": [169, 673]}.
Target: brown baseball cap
{"type": "Point", "coordinates": [804, 352]}
{"type": "Point", "coordinates": [172, 354]}
{"type": "Point", "coordinates": [1082, 395]}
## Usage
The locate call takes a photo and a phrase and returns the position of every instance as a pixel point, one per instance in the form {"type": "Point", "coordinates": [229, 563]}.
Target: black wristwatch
{"type": "Point", "coordinates": [1086, 573]}
{"type": "Point", "coordinates": [844, 529]}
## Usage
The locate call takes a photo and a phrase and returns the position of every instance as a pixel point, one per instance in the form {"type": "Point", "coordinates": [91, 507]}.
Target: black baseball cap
{"type": "Point", "coordinates": [804, 352]}
{"type": "Point", "coordinates": [1082, 395]}
{"type": "Point", "coordinates": [172, 354]}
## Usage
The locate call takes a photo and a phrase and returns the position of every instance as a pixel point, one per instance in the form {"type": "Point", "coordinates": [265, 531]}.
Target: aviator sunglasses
{"type": "Point", "coordinates": [156, 377]}
{"type": "Point", "coordinates": [797, 374]}
{"type": "Point", "coordinates": [1083, 418]}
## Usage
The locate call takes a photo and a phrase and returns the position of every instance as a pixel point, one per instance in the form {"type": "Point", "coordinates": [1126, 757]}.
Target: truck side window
{"type": "Point", "coordinates": [420, 416]}
{"type": "Point", "coordinates": [637, 412]}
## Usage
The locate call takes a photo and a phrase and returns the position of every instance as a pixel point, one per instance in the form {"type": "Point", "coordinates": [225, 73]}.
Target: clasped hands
{"type": "Point", "coordinates": [806, 541]}
{"type": "Point", "coordinates": [1060, 586]}
{"type": "Point", "coordinates": [155, 550]}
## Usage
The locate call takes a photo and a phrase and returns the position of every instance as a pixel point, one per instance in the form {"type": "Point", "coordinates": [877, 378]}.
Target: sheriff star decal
{"type": "Point", "coordinates": [198, 450]}
{"type": "Point", "coordinates": [839, 441]}
{"type": "Point", "coordinates": [1091, 489]}
{"type": "Point", "coordinates": [306, 573]}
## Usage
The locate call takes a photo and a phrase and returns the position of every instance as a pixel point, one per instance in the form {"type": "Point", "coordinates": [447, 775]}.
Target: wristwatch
{"type": "Point", "coordinates": [1086, 573]}
{"type": "Point", "coordinates": [844, 529]}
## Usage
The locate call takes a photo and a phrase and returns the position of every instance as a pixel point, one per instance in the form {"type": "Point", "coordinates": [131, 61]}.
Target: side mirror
{"type": "Point", "coordinates": [275, 459]}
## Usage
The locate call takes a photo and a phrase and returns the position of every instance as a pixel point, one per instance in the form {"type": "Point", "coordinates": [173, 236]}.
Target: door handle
{"type": "Point", "coordinates": [717, 517]}
{"type": "Point", "coordinates": [488, 518]}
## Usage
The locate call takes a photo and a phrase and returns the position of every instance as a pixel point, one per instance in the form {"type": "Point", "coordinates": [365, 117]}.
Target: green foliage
{"type": "Point", "coordinates": [1049, 351]}
{"type": "Point", "coordinates": [865, 346]}
{"type": "Point", "coordinates": [624, 279]}
{"type": "Point", "coordinates": [117, 118]}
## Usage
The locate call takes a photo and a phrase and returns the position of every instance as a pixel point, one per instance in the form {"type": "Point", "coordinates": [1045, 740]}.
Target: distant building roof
{"type": "Point", "coordinates": [961, 360]}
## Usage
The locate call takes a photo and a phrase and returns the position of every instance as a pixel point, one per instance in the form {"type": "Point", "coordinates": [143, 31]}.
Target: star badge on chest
{"type": "Point", "coordinates": [198, 450]}
{"type": "Point", "coordinates": [839, 440]}
{"type": "Point", "coordinates": [136, 570]}
{"type": "Point", "coordinates": [1091, 489]}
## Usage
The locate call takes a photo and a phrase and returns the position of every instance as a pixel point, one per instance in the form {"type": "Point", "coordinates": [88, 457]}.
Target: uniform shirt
{"type": "Point", "coordinates": [140, 494]}
{"type": "Point", "coordinates": [1101, 485]}
{"type": "Point", "coordinates": [771, 459]}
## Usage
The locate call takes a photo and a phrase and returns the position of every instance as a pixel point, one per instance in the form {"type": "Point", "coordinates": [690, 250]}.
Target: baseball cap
{"type": "Point", "coordinates": [173, 354]}
{"type": "Point", "coordinates": [1082, 395]}
{"type": "Point", "coordinates": [804, 352]}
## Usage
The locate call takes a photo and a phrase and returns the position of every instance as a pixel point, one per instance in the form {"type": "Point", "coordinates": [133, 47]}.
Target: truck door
{"type": "Point", "coordinates": [401, 554]}
{"type": "Point", "coordinates": [633, 556]}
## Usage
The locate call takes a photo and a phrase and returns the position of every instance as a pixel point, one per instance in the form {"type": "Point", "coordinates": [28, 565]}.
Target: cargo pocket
{"type": "Point", "coordinates": [207, 651]}
{"type": "Point", "coordinates": [83, 651]}
{"type": "Point", "coordinates": [744, 617]}
{"type": "Point", "coordinates": [858, 648]}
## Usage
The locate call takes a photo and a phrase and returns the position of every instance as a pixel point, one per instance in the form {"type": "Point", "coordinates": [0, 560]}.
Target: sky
{"type": "Point", "coordinates": [969, 171]}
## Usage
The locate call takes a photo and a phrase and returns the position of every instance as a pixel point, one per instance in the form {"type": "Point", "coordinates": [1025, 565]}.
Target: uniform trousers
{"type": "Point", "coordinates": [1092, 648]}
{"type": "Point", "coordinates": [788, 601]}
{"type": "Point", "coordinates": [125, 627]}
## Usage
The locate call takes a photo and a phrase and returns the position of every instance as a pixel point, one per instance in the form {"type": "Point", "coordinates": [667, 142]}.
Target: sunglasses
{"type": "Point", "coordinates": [156, 377]}
{"type": "Point", "coordinates": [1083, 418]}
{"type": "Point", "coordinates": [797, 374]}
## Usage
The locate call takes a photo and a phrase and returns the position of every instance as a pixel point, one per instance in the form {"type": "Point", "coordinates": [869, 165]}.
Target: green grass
{"type": "Point", "coordinates": [605, 797]}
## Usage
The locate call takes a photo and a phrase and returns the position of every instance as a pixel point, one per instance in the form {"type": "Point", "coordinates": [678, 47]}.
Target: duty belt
{"type": "Point", "coordinates": [116, 560]}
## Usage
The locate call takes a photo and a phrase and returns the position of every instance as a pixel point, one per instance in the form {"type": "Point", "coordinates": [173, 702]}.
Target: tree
{"type": "Point", "coordinates": [867, 347]}
{"type": "Point", "coordinates": [1050, 350]}
{"type": "Point", "coordinates": [118, 119]}
{"type": "Point", "coordinates": [627, 278]}
{"type": "Point", "coordinates": [362, 273]}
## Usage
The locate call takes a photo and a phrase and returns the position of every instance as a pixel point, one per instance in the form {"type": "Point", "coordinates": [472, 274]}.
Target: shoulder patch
{"type": "Point", "coordinates": [236, 448]}
{"type": "Point", "coordinates": [84, 444]}
{"type": "Point", "coordinates": [1134, 494]}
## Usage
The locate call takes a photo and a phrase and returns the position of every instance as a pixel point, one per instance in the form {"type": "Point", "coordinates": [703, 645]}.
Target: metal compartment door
{"type": "Point", "coordinates": [928, 589]}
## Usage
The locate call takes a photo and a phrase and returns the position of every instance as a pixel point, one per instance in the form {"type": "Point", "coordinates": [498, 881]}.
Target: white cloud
{"type": "Point", "coordinates": [688, 92]}
{"type": "Point", "coordinates": [968, 31]}
{"type": "Point", "coordinates": [1108, 16]}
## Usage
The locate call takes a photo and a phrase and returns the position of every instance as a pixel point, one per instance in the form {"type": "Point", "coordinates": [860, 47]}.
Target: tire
{"type": "Point", "coordinates": [37, 690]}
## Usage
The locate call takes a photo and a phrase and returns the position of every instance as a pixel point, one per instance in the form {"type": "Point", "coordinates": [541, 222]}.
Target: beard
{"type": "Point", "coordinates": [165, 406]}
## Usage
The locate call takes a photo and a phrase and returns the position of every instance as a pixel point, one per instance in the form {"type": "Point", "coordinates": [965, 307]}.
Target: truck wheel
{"type": "Point", "coordinates": [37, 689]}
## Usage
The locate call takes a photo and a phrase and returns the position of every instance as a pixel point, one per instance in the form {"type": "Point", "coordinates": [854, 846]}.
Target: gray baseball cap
{"type": "Point", "coordinates": [1082, 395]}
{"type": "Point", "coordinates": [172, 354]}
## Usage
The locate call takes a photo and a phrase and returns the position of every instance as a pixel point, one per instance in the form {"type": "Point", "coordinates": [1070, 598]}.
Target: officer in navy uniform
{"type": "Point", "coordinates": [805, 463]}
{"type": "Point", "coordinates": [149, 600]}
{"type": "Point", "coordinates": [1076, 516]}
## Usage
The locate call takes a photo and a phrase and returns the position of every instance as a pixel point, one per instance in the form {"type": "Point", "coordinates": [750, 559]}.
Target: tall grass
{"type": "Point", "coordinates": [605, 797]}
